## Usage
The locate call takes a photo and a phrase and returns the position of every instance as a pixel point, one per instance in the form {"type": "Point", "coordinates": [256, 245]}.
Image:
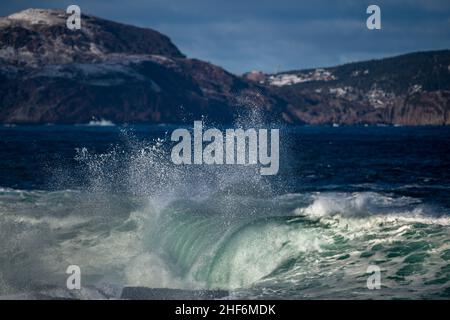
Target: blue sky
{"type": "Point", "coordinates": [276, 35]}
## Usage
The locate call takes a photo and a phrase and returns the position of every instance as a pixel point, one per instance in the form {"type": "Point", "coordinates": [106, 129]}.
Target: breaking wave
{"type": "Point", "coordinates": [140, 220]}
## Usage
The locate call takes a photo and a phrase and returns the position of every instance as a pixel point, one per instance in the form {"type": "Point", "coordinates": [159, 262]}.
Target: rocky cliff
{"type": "Point", "coordinates": [50, 74]}
{"type": "Point", "coordinates": [107, 70]}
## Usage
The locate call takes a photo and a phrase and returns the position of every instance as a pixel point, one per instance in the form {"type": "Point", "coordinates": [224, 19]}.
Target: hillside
{"type": "Point", "coordinates": [410, 89]}
{"type": "Point", "coordinates": [50, 74]}
{"type": "Point", "coordinates": [126, 74]}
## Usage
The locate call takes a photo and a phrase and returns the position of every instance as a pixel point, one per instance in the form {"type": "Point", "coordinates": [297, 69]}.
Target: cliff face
{"type": "Point", "coordinates": [50, 74]}
{"type": "Point", "coordinates": [124, 88]}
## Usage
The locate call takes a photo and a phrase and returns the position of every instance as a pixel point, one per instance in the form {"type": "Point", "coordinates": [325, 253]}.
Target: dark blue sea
{"type": "Point", "coordinates": [109, 199]}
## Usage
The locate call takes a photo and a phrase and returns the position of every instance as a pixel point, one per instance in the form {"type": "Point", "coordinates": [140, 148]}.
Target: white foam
{"type": "Point", "coordinates": [101, 123]}
{"type": "Point", "coordinates": [149, 270]}
{"type": "Point", "coordinates": [371, 206]}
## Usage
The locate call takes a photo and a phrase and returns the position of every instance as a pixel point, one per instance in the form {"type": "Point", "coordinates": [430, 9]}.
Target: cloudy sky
{"type": "Point", "coordinates": [276, 35]}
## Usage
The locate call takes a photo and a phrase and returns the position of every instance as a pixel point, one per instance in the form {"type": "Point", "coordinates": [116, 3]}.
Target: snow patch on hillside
{"type": "Point", "coordinates": [284, 79]}
{"type": "Point", "coordinates": [39, 16]}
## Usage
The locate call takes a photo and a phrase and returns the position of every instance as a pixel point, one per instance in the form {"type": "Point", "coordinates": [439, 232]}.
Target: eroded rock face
{"type": "Point", "coordinates": [125, 88]}
{"type": "Point", "coordinates": [108, 70]}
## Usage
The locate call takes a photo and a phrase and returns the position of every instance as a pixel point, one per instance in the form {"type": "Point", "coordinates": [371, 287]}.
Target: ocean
{"type": "Point", "coordinates": [109, 200]}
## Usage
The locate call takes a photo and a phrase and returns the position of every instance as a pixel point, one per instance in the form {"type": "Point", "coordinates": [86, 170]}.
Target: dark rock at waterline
{"type": "Point", "coordinates": [103, 292]}
{"type": "Point", "coordinates": [107, 292]}
{"type": "Point", "coordinates": [142, 293]}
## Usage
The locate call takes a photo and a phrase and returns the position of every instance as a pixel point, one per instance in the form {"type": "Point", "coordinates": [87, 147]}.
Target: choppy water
{"type": "Point", "coordinates": [109, 200]}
